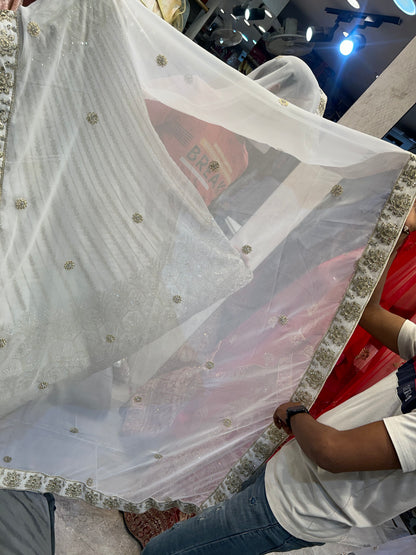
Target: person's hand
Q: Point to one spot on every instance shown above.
(279, 416)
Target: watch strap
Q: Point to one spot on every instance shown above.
(291, 411)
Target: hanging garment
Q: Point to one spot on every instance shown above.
(130, 312)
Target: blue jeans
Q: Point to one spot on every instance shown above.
(242, 525)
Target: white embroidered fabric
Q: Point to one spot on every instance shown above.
(181, 250)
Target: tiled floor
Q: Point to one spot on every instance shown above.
(84, 530)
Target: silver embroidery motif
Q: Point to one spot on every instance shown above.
(54, 485)
(137, 218)
(374, 259)
(9, 52)
(350, 311)
(400, 204)
(33, 29)
(386, 232)
(338, 335)
(303, 397)
(214, 166)
(92, 498)
(111, 503)
(315, 378)
(33, 483)
(73, 490)
(92, 118)
(20, 203)
(161, 60)
(12, 480)
(337, 190)
(362, 285)
(8, 45)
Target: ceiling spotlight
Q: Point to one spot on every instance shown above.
(352, 44)
(254, 13)
(238, 11)
(354, 4)
(320, 34)
(406, 6)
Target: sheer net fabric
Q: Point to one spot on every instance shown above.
(148, 332)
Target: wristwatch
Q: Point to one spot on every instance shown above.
(291, 411)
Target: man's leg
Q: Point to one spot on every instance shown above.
(242, 524)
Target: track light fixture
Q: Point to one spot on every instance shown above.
(354, 41)
(352, 44)
(254, 13)
(238, 11)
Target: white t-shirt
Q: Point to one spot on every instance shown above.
(316, 505)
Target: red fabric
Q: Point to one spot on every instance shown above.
(365, 361)
(194, 145)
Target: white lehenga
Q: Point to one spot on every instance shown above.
(143, 352)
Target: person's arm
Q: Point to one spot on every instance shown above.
(368, 447)
(379, 322)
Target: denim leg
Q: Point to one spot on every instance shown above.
(242, 524)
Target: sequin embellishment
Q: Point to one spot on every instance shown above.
(69, 265)
(158, 456)
(33, 29)
(214, 166)
(3, 342)
(177, 299)
(7, 459)
(43, 385)
(89, 482)
(283, 102)
(7, 44)
(137, 399)
(110, 338)
(337, 190)
(161, 60)
(246, 249)
(74, 430)
(209, 365)
(283, 319)
(137, 218)
(20, 203)
(227, 422)
(92, 118)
